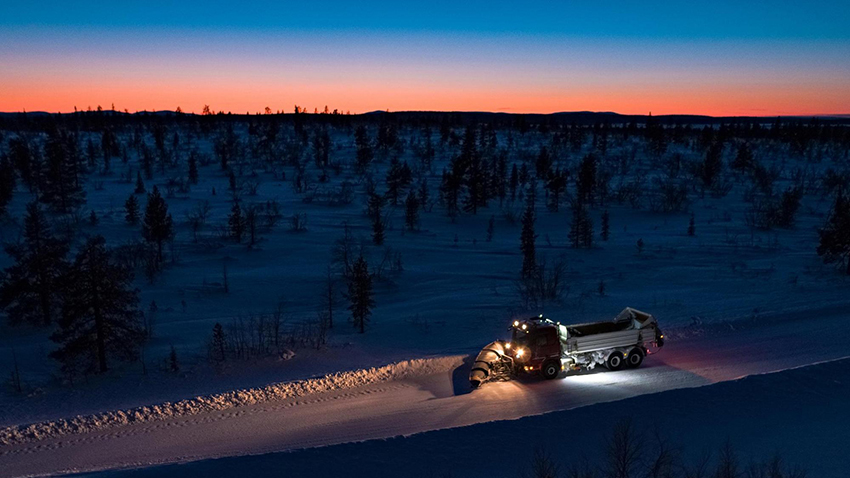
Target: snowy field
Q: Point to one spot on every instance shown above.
(734, 300)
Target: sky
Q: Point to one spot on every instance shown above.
(719, 58)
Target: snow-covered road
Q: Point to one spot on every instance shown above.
(431, 402)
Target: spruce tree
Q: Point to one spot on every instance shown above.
(7, 182)
(712, 166)
(526, 239)
(491, 228)
(235, 222)
(398, 178)
(476, 183)
(450, 193)
(60, 187)
(606, 228)
(193, 167)
(140, 185)
(743, 159)
(157, 226)
(131, 208)
(360, 296)
(364, 149)
(514, 182)
(23, 158)
(834, 244)
(218, 346)
(586, 180)
(691, 226)
(31, 287)
(411, 211)
(424, 194)
(556, 186)
(543, 165)
(376, 202)
(581, 227)
(100, 312)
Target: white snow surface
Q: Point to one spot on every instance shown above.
(224, 401)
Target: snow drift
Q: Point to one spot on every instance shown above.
(222, 401)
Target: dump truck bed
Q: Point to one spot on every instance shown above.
(630, 327)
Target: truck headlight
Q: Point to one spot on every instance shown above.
(520, 353)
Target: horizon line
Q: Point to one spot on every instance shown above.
(317, 112)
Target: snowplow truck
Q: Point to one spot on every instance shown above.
(541, 346)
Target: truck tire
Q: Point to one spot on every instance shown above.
(615, 361)
(635, 358)
(550, 369)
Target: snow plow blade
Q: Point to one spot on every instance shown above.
(490, 363)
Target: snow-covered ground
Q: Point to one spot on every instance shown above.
(734, 301)
(800, 414)
(423, 402)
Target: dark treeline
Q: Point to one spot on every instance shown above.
(780, 128)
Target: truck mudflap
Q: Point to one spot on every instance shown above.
(492, 363)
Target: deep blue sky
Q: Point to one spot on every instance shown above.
(644, 19)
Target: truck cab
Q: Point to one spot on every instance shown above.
(536, 346)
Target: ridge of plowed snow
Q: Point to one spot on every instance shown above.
(226, 400)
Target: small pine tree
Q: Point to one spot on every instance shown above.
(7, 182)
(527, 238)
(140, 185)
(411, 211)
(581, 227)
(157, 226)
(691, 226)
(218, 346)
(376, 202)
(398, 177)
(491, 228)
(193, 167)
(364, 149)
(360, 294)
(601, 288)
(450, 193)
(640, 246)
(99, 313)
(131, 208)
(606, 227)
(424, 195)
(173, 364)
(93, 220)
(235, 222)
(586, 180)
(834, 244)
(31, 287)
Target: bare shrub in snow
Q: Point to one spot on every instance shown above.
(546, 284)
(299, 222)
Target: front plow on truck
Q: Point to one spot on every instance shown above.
(541, 346)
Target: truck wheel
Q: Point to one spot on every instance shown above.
(550, 369)
(615, 361)
(635, 358)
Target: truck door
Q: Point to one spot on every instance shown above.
(548, 344)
